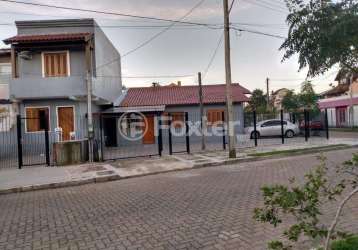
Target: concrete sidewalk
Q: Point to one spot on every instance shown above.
(35, 178)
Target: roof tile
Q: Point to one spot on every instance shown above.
(182, 95)
(47, 38)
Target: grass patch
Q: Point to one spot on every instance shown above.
(350, 243)
(297, 151)
(355, 129)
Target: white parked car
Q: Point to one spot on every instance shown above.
(273, 128)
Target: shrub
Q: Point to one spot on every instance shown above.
(351, 243)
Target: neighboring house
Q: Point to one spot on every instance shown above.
(277, 97)
(50, 61)
(341, 101)
(176, 100)
(8, 110)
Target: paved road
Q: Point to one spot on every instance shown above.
(208, 208)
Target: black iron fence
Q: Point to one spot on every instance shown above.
(282, 128)
(120, 136)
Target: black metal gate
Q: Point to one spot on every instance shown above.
(33, 146)
(117, 135)
(178, 134)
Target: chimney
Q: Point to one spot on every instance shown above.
(179, 83)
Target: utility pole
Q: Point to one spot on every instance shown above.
(90, 129)
(229, 113)
(89, 116)
(202, 117)
(268, 92)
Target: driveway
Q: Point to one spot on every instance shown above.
(209, 208)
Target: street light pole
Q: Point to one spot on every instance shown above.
(229, 113)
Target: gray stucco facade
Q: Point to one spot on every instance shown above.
(194, 123)
(32, 89)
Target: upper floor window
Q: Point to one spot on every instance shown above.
(56, 64)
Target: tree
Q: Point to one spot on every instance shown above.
(307, 97)
(304, 203)
(290, 102)
(323, 33)
(257, 101)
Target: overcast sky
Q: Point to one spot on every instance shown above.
(183, 51)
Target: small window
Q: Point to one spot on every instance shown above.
(215, 116)
(34, 123)
(178, 119)
(55, 64)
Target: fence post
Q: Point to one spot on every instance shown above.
(170, 134)
(19, 140)
(309, 124)
(187, 140)
(255, 128)
(160, 139)
(305, 117)
(44, 121)
(282, 129)
(326, 123)
(224, 130)
(101, 135)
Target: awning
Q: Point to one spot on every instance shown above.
(139, 109)
(333, 103)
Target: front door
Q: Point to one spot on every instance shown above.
(66, 121)
(341, 113)
(149, 137)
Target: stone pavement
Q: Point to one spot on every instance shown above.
(207, 208)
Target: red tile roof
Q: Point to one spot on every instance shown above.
(182, 95)
(47, 38)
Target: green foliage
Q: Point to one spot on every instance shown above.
(302, 202)
(307, 98)
(291, 102)
(257, 101)
(350, 243)
(323, 33)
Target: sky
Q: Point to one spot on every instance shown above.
(182, 51)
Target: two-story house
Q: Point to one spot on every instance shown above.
(341, 101)
(52, 63)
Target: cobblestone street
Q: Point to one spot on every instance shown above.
(209, 208)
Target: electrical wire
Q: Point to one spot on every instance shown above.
(258, 32)
(102, 12)
(263, 6)
(213, 55)
(153, 37)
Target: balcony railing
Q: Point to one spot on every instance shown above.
(51, 87)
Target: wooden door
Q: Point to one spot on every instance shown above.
(66, 121)
(149, 137)
(341, 116)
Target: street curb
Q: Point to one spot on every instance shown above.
(54, 185)
(102, 179)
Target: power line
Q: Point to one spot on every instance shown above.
(214, 55)
(102, 12)
(259, 33)
(272, 4)
(262, 5)
(153, 37)
(232, 5)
